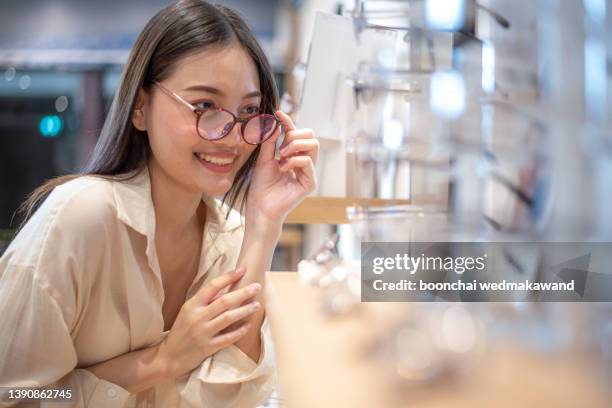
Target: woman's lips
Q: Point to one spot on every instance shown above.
(217, 162)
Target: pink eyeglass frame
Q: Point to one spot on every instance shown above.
(199, 112)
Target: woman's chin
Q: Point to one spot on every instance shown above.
(216, 187)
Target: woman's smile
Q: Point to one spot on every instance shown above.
(218, 162)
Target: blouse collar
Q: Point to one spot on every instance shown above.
(135, 206)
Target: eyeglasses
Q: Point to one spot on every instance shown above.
(216, 123)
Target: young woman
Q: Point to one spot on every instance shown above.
(131, 284)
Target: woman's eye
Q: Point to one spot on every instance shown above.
(204, 105)
(251, 110)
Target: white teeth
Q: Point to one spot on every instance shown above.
(214, 160)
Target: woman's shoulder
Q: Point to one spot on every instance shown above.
(72, 215)
(88, 195)
(88, 182)
(76, 206)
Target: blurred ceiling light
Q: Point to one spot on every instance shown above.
(447, 94)
(9, 74)
(596, 9)
(446, 15)
(595, 77)
(61, 103)
(393, 134)
(24, 82)
(488, 67)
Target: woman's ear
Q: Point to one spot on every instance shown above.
(139, 113)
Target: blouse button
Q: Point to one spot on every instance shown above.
(111, 392)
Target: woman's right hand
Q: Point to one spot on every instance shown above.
(196, 332)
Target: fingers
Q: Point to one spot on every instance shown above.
(267, 148)
(297, 134)
(285, 120)
(223, 340)
(298, 140)
(308, 147)
(291, 134)
(303, 163)
(232, 316)
(207, 292)
(232, 300)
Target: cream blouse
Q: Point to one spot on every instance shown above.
(81, 284)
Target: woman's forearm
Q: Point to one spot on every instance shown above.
(260, 239)
(135, 371)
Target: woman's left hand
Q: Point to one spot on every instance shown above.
(277, 187)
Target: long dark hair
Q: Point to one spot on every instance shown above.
(182, 28)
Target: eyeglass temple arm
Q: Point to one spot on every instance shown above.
(175, 96)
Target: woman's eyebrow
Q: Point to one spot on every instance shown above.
(216, 91)
(253, 94)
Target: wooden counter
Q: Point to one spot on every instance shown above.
(332, 210)
(324, 361)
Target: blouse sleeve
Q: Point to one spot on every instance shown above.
(36, 349)
(43, 290)
(229, 378)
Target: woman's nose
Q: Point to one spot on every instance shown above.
(234, 137)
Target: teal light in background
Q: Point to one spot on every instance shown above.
(50, 126)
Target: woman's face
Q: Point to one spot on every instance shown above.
(224, 77)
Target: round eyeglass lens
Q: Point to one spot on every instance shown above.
(259, 128)
(214, 124)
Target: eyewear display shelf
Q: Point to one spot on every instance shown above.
(326, 361)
